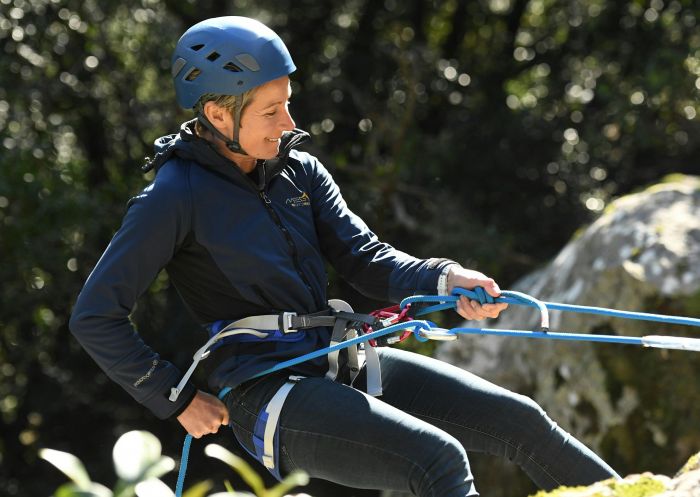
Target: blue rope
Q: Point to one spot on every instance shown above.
(509, 297)
(417, 325)
(657, 341)
(183, 465)
(585, 337)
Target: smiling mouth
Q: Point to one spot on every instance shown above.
(273, 140)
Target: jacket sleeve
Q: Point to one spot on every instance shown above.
(155, 223)
(374, 268)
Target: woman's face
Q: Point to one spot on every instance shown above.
(265, 119)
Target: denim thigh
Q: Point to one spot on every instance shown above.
(340, 434)
(488, 418)
(415, 437)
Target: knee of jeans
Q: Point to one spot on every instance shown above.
(444, 470)
(535, 411)
(531, 418)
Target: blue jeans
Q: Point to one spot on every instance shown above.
(416, 436)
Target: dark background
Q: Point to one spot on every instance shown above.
(484, 131)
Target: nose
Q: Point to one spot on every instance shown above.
(288, 123)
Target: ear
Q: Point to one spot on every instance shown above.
(216, 114)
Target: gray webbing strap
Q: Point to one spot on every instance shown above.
(266, 322)
(357, 357)
(374, 371)
(287, 322)
(333, 357)
(203, 352)
(273, 410)
(339, 332)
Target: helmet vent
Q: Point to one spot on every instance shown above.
(230, 66)
(193, 74)
(248, 61)
(197, 48)
(213, 56)
(177, 66)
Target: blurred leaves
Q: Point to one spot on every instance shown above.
(482, 130)
(292, 480)
(139, 464)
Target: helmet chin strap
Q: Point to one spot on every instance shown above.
(233, 145)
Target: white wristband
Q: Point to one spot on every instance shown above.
(442, 281)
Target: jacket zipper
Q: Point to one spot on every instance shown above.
(276, 219)
(288, 237)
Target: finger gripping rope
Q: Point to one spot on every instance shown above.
(507, 297)
(482, 296)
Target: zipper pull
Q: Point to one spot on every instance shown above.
(264, 196)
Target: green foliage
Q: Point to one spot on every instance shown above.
(482, 131)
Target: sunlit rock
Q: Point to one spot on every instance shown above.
(641, 254)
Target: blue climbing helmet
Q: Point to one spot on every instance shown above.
(227, 56)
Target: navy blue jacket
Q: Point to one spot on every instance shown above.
(233, 245)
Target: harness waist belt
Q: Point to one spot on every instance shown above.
(286, 322)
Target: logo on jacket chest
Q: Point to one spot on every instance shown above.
(302, 200)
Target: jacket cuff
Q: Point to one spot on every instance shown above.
(164, 408)
(186, 403)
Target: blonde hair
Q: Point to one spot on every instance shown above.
(226, 101)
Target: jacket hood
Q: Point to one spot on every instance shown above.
(187, 145)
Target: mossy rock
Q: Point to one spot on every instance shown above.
(645, 485)
(692, 465)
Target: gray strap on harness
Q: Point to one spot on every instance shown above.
(374, 372)
(287, 322)
(203, 353)
(339, 332)
(357, 356)
(274, 410)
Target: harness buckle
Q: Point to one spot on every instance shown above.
(286, 322)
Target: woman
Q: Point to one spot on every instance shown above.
(242, 221)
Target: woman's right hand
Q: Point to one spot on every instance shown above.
(204, 415)
(472, 309)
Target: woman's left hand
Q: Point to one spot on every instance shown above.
(470, 279)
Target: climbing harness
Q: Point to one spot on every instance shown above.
(339, 316)
(361, 333)
(260, 431)
(350, 331)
